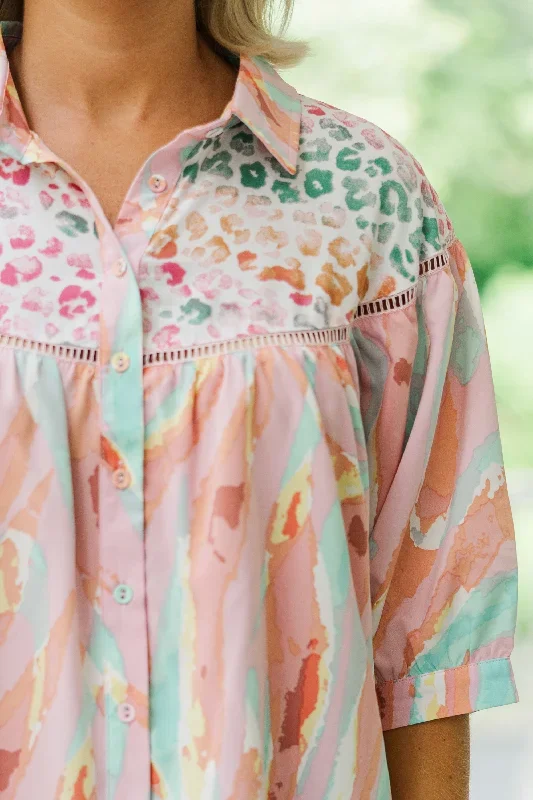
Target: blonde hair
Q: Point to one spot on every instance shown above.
(244, 27)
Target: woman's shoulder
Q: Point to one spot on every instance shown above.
(376, 186)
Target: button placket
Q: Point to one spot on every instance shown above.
(121, 478)
(123, 594)
(157, 183)
(126, 712)
(120, 362)
(120, 267)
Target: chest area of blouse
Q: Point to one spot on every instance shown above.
(210, 258)
(225, 245)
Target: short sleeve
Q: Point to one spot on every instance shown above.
(442, 550)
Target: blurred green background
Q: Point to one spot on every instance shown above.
(453, 81)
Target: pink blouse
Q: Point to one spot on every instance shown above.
(253, 509)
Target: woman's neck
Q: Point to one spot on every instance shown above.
(118, 61)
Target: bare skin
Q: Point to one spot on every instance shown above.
(116, 80)
(430, 760)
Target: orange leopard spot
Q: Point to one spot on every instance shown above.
(294, 277)
(336, 286)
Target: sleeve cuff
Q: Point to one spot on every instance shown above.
(446, 693)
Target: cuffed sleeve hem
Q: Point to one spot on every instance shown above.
(446, 693)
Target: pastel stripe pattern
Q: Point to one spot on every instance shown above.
(253, 504)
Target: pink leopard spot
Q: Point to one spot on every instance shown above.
(148, 294)
(3, 310)
(257, 330)
(316, 111)
(55, 278)
(46, 199)
(83, 264)
(79, 334)
(372, 139)
(54, 246)
(213, 332)
(346, 119)
(67, 200)
(73, 301)
(50, 329)
(301, 299)
(21, 176)
(20, 270)
(167, 337)
(35, 300)
(25, 239)
(175, 271)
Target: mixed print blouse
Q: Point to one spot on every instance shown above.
(253, 510)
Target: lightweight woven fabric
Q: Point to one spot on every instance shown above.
(253, 508)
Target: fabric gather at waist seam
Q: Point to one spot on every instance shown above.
(309, 337)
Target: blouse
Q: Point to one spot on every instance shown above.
(253, 509)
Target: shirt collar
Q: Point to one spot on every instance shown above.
(263, 100)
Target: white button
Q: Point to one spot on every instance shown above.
(120, 362)
(123, 594)
(121, 478)
(126, 712)
(214, 132)
(157, 183)
(120, 267)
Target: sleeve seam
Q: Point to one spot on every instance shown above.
(470, 664)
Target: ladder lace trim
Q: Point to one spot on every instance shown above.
(60, 351)
(405, 297)
(303, 337)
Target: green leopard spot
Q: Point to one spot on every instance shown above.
(190, 151)
(279, 169)
(243, 143)
(218, 164)
(95, 231)
(71, 224)
(362, 223)
(372, 171)
(202, 310)
(355, 186)
(387, 206)
(416, 239)
(385, 232)
(322, 149)
(348, 159)
(285, 192)
(191, 172)
(430, 229)
(384, 165)
(318, 182)
(419, 209)
(397, 262)
(253, 175)
(335, 129)
(409, 256)
(165, 314)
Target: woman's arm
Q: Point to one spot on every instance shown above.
(431, 760)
